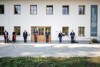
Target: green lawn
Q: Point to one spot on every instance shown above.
(50, 62)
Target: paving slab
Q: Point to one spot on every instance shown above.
(49, 50)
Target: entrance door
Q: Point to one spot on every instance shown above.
(41, 33)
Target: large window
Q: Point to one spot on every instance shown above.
(1, 30)
(1, 9)
(81, 31)
(65, 30)
(17, 30)
(81, 9)
(49, 9)
(33, 9)
(65, 9)
(17, 9)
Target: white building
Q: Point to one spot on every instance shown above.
(82, 16)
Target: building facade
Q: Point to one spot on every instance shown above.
(81, 16)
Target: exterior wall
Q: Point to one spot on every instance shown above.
(56, 21)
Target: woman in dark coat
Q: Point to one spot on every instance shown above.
(14, 37)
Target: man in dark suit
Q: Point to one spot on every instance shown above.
(60, 37)
(47, 36)
(72, 34)
(25, 36)
(6, 36)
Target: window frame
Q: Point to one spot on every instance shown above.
(17, 33)
(41, 31)
(83, 10)
(67, 11)
(49, 6)
(1, 32)
(32, 13)
(16, 9)
(3, 8)
(80, 33)
(67, 30)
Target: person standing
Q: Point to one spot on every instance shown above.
(72, 34)
(6, 36)
(35, 35)
(25, 36)
(14, 37)
(47, 36)
(60, 37)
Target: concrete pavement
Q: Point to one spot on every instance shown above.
(49, 50)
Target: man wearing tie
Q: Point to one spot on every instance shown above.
(72, 34)
(25, 36)
(47, 36)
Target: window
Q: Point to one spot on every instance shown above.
(17, 9)
(33, 9)
(49, 9)
(65, 30)
(41, 31)
(1, 30)
(1, 9)
(81, 31)
(65, 10)
(17, 30)
(81, 9)
(49, 29)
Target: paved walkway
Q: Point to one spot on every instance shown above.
(49, 50)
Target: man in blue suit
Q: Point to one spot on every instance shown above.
(72, 34)
(60, 37)
(47, 33)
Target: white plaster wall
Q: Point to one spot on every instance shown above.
(56, 21)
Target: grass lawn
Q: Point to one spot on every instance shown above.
(50, 62)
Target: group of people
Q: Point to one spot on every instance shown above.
(60, 35)
(25, 35)
(6, 36)
(47, 33)
(72, 34)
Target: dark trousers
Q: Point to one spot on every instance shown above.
(35, 39)
(47, 39)
(25, 39)
(60, 39)
(6, 40)
(14, 39)
(72, 39)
